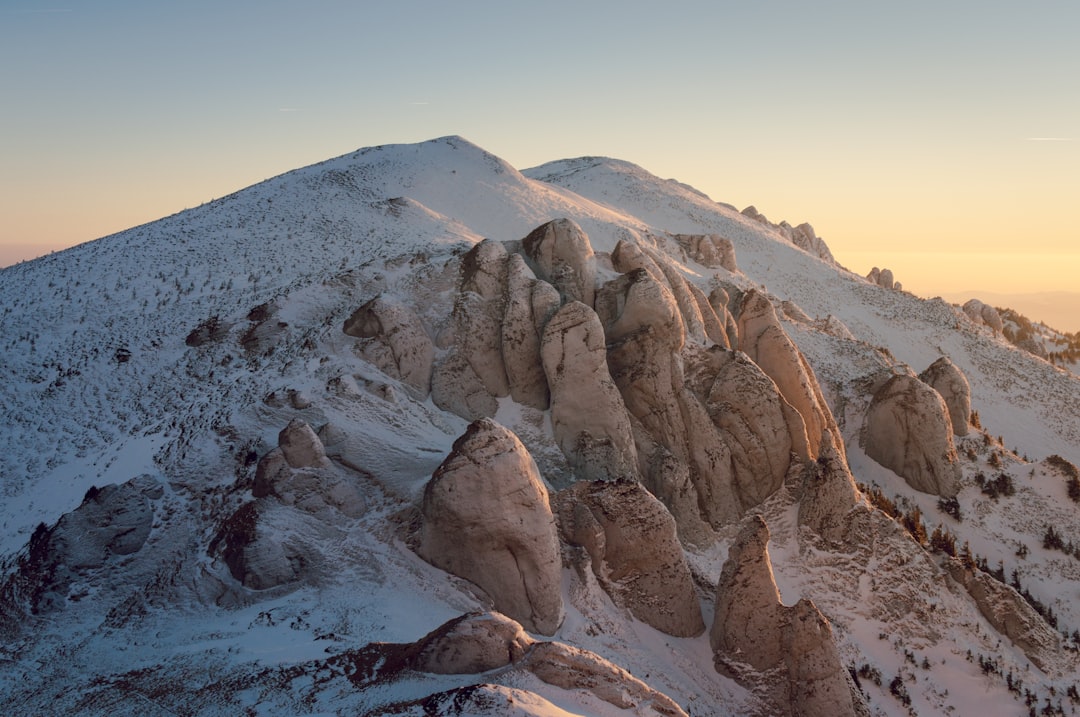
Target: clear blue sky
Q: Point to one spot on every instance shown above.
(892, 127)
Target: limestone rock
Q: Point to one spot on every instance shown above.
(944, 377)
(1010, 615)
(393, 338)
(766, 343)
(588, 416)
(455, 387)
(486, 517)
(787, 651)
(560, 253)
(908, 431)
(635, 553)
(828, 493)
(709, 250)
(984, 314)
(475, 642)
(478, 339)
(719, 299)
(529, 305)
(715, 326)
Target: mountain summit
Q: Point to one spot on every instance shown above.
(413, 432)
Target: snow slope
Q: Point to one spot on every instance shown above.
(100, 386)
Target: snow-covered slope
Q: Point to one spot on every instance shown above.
(107, 379)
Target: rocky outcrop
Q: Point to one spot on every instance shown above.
(486, 517)
(719, 300)
(984, 314)
(711, 250)
(908, 431)
(883, 278)
(394, 340)
(763, 339)
(560, 253)
(828, 493)
(529, 305)
(111, 522)
(480, 642)
(634, 552)
(802, 236)
(944, 377)
(1010, 614)
(786, 652)
(301, 498)
(588, 416)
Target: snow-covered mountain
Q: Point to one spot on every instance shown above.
(261, 456)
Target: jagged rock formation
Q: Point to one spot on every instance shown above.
(944, 377)
(709, 250)
(1010, 614)
(828, 497)
(486, 517)
(633, 551)
(908, 431)
(758, 640)
(802, 236)
(529, 305)
(393, 339)
(984, 314)
(588, 415)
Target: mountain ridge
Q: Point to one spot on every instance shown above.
(107, 381)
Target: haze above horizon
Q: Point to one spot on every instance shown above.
(940, 141)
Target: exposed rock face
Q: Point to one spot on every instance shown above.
(984, 314)
(756, 639)
(828, 493)
(883, 278)
(588, 415)
(944, 377)
(475, 642)
(560, 253)
(1010, 614)
(529, 305)
(487, 518)
(635, 553)
(802, 236)
(394, 340)
(456, 388)
(908, 431)
(764, 340)
(719, 299)
(709, 250)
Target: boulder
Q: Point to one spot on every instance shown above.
(588, 416)
(486, 517)
(634, 550)
(393, 338)
(908, 431)
(787, 653)
(709, 250)
(984, 314)
(944, 377)
(559, 252)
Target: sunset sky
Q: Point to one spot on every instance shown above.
(939, 139)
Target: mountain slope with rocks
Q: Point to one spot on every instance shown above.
(413, 432)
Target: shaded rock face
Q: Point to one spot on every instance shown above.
(944, 377)
(908, 431)
(634, 552)
(588, 416)
(486, 517)
(479, 642)
(112, 521)
(393, 339)
(788, 652)
(1010, 614)
(560, 253)
(828, 494)
(529, 305)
